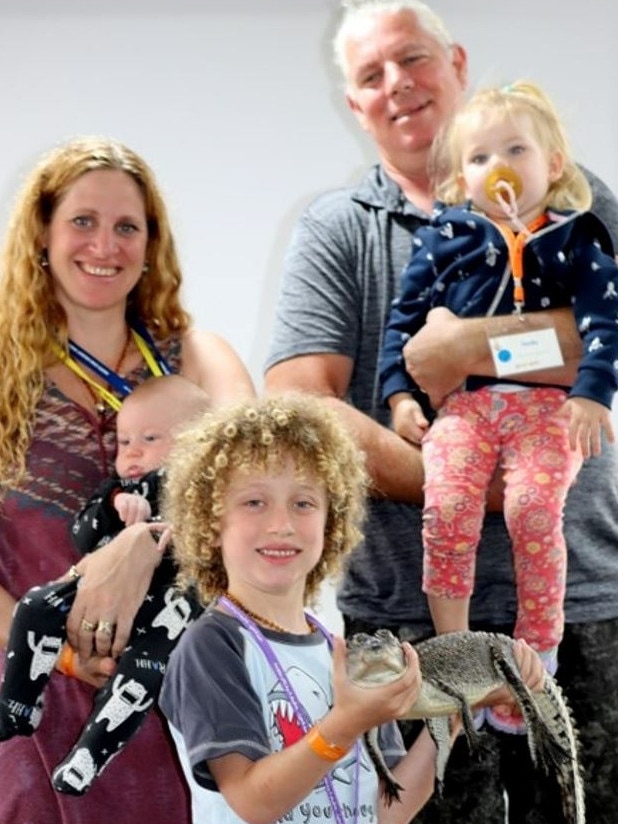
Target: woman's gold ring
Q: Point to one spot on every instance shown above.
(105, 627)
(88, 626)
(73, 572)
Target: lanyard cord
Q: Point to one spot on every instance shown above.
(515, 244)
(102, 391)
(301, 714)
(76, 356)
(506, 197)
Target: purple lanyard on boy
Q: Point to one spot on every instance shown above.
(303, 718)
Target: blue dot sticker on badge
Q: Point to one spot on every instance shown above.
(504, 355)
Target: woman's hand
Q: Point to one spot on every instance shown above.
(114, 582)
(436, 356)
(163, 533)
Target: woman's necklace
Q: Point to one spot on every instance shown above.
(99, 403)
(259, 619)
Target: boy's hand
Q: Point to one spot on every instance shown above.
(95, 671)
(358, 709)
(131, 508)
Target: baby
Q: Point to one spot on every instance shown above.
(146, 424)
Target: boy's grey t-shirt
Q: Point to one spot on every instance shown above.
(342, 272)
(221, 696)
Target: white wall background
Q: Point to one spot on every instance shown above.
(236, 106)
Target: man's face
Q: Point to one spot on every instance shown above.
(403, 84)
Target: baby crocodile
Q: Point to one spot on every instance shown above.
(460, 669)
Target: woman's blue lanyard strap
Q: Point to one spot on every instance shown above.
(145, 342)
(78, 357)
(117, 382)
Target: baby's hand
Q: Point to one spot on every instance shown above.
(131, 508)
(587, 420)
(409, 421)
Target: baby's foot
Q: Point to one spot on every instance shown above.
(76, 773)
(17, 718)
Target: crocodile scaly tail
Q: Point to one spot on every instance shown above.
(551, 736)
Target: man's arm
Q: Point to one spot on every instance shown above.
(394, 465)
(320, 324)
(448, 349)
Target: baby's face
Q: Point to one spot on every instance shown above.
(495, 141)
(145, 438)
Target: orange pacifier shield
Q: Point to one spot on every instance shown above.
(502, 181)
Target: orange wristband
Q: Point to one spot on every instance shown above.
(321, 747)
(66, 661)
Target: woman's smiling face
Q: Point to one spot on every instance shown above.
(96, 240)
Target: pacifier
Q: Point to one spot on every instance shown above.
(503, 184)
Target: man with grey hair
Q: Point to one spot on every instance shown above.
(404, 76)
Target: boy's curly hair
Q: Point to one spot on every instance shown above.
(260, 435)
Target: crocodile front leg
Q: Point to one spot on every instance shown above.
(440, 732)
(463, 707)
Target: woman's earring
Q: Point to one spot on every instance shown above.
(145, 267)
(43, 259)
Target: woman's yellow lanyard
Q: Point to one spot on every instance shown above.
(76, 354)
(515, 244)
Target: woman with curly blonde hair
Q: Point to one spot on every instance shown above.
(89, 307)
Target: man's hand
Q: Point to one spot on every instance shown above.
(435, 356)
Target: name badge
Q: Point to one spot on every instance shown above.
(526, 352)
